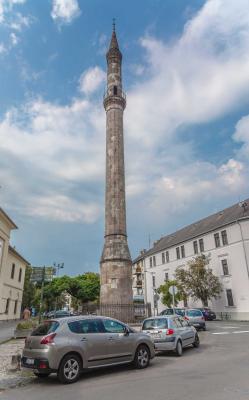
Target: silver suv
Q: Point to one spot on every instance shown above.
(69, 345)
(171, 332)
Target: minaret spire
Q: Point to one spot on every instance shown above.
(116, 266)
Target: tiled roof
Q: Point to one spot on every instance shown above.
(213, 222)
(13, 251)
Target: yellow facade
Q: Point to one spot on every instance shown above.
(12, 272)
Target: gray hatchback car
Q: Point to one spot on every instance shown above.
(69, 345)
(171, 332)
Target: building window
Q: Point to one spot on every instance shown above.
(163, 258)
(183, 251)
(20, 275)
(154, 261)
(167, 256)
(217, 239)
(195, 244)
(178, 253)
(15, 306)
(166, 277)
(150, 262)
(7, 306)
(225, 267)
(114, 283)
(115, 90)
(201, 244)
(230, 302)
(13, 271)
(224, 238)
(153, 281)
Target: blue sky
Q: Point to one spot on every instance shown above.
(186, 75)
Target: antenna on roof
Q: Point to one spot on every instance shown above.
(243, 204)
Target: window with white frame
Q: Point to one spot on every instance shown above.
(195, 245)
(163, 258)
(224, 237)
(230, 301)
(167, 256)
(225, 267)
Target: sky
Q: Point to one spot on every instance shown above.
(186, 125)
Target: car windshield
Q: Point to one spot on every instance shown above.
(168, 311)
(156, 323)
(194, 313)
(45, 328)
(180, 311)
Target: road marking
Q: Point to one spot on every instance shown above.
(228, 333)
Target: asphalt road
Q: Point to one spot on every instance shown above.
(217, 370)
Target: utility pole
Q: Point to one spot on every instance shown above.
(58, 267)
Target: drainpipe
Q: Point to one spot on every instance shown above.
(243, 243)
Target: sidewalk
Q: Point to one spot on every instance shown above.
(7, 330)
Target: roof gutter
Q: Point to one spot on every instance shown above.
(244, 248)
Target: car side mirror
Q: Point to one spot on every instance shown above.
(126, 331)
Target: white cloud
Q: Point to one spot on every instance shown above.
(59, 151)
(2, 48)
(62, 208)
(200, 77)
(64, 11)
(91, 80)
(14, 39)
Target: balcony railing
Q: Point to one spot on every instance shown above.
(119, 93)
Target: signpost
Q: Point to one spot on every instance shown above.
(42, 275)
(173, 291)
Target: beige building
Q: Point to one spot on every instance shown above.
(12, 272)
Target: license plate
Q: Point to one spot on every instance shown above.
(156, 336)
(29, 361)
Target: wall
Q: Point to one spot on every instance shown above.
(234, 253)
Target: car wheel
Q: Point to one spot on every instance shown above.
(70, 368)
(42, 374)
(178, 349)
(197, 341)
(142, 357)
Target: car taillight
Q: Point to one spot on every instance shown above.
(187, 318)
(202, 318)
(49, 339)
(170, 332)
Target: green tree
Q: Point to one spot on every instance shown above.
(28, 289)
(198, 280)
(167, 298)
(83, 288)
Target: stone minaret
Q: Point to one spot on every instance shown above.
(115, 264)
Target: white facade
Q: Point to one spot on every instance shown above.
(229, 261)
(12, 272)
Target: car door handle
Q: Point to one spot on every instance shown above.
(83, 339)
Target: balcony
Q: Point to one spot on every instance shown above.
(117, 96)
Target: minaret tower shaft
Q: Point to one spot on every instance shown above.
(115, 264)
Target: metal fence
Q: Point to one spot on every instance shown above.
(129, 313)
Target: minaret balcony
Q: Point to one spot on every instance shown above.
(110, 98)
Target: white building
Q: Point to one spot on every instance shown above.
(225, 237)
(12, 272)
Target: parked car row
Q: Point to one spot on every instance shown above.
(195, 316)
(72, 344)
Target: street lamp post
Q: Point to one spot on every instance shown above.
(154, 292)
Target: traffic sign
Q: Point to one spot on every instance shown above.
(173, 290)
